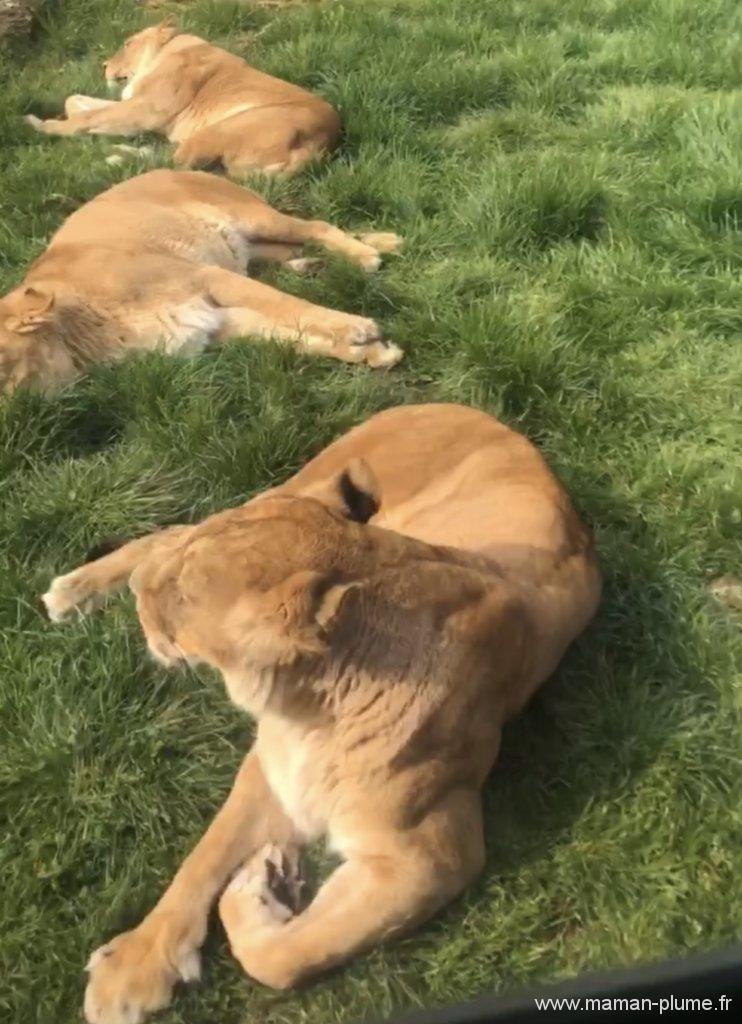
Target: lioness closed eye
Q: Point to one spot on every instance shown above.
(211, 103)
(381, 614)
(158, 261)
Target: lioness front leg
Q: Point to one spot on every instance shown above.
(86, 587)
(128, 117)
(371, 897)
(134, 974)
(256, 309)
(77, 103)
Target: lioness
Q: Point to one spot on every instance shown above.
(381, 614)
(158, 261)
(211, 103)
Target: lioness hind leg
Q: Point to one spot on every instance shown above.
(267, 224)
(251, 308)
(286, 255)
(85, 588)
(240, 144)
(266, 227)
(274, 252)
(264, 140)
(276, 159)
(202, 149)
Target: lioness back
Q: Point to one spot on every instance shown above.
(453, 475)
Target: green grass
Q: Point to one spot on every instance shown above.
(567, 174)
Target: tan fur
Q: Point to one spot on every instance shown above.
(210, 102)
(157, 261)
(381, 660)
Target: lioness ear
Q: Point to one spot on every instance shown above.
(354, 492)
(359, 490)
(37, 301)
(168, 27)
(330, 603)
(34, 309)
(308, 603)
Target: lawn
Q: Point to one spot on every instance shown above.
(567, 175)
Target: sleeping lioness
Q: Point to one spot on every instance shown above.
(158, 261)
(211, 103)
(381, 614)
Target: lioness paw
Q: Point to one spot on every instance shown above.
(382, 241)
(134, 975)
(68, 594)
(370, 261)
(304, 265)
(379, 354)
(364, 344)
(255, 908)
(264, 892)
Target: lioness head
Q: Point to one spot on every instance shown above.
(258, 587)
(138, 52)
(29, 353)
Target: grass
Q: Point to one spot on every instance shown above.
(567, 176)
